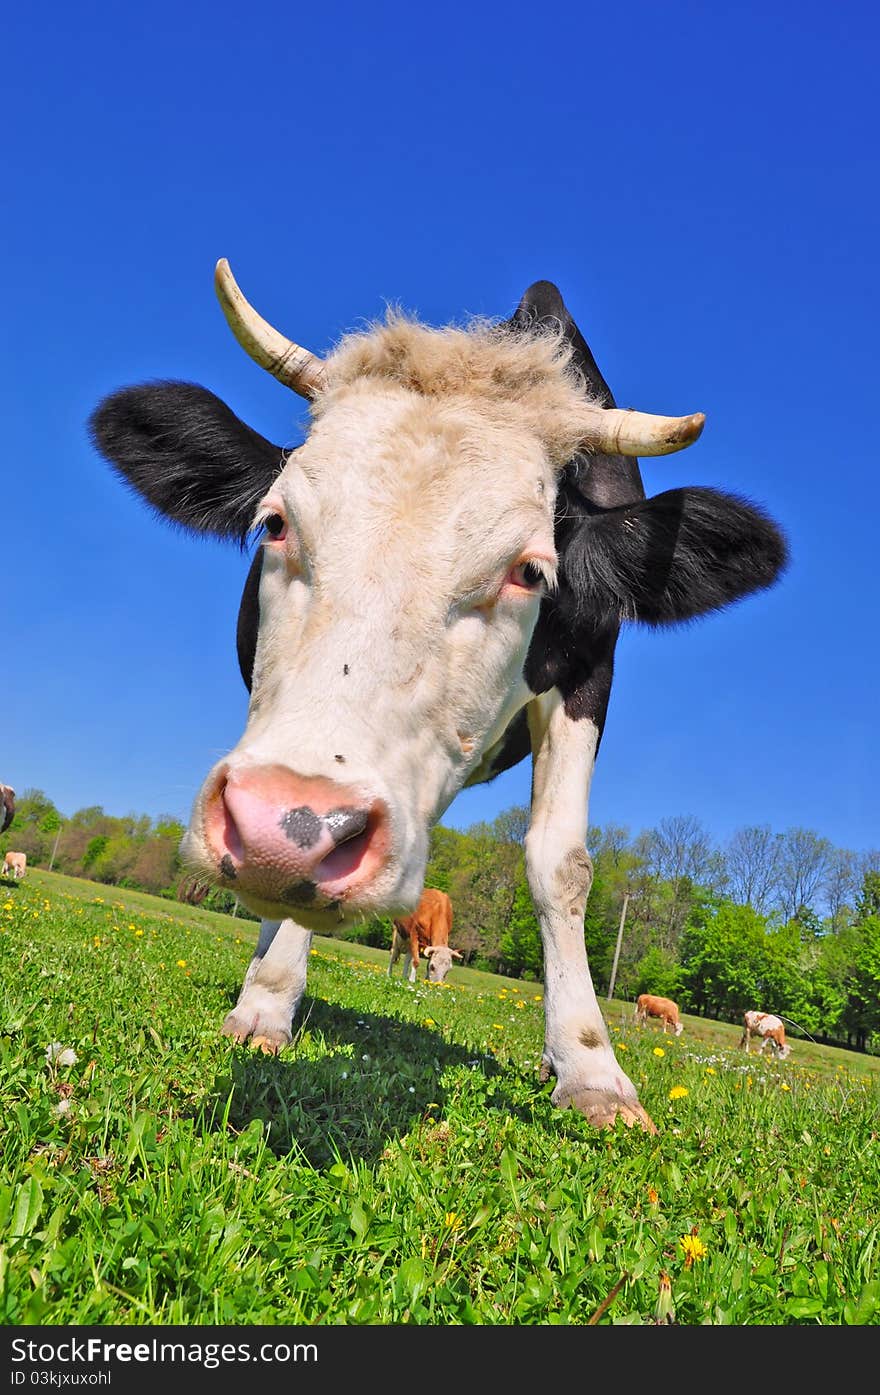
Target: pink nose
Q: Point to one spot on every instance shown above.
(289, 839)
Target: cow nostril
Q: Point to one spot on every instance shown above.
(346, 823)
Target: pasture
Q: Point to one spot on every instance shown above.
(400, 1161)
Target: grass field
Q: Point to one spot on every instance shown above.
(399, 1162)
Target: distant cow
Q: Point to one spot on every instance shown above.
(649, 1006)
(769, 1029)
(14, 865)
(426, 930)
(7, 806)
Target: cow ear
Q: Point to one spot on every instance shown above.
(671, 558)
(187, 454)
(542, 308)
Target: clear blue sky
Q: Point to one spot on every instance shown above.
(702, 183)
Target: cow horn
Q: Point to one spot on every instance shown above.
(617, 432)
(286, 361)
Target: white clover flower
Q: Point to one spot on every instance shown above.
(63, 1055)
(62, 1107)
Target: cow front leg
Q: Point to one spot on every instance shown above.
(272, 988)
(413, 965)
(577, 1049)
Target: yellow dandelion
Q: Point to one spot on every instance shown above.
(710, 1070)
(520, 1005)
(622, 1046)
(7, 905)
(658, 1051)
(138, 933)
(535, 999)
(499, 1026)
(96, 941)
(749, 1081)
(653, 1195)
(181, 963)
(161, 966)
(694, 1249)
(453, 1220)
(783, 1086)
(678, 1092)
(429, 1022)
(131, 927)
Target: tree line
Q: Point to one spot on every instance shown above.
(784, 922)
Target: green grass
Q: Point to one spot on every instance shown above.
(399, 1162)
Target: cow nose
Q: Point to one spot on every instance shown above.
(290, 838)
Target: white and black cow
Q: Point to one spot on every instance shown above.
(443, 569)
(7, 806)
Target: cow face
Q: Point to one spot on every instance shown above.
(405, 550)
(439, 958)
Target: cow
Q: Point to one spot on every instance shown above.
(426, 930)
(442, 569)
(664, 1008)
(7, 806)
(771, 1031)
(14, 865)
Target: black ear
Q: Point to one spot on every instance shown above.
(671, 558)
(187, 454)
(543, 306)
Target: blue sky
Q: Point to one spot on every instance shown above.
(700, 181)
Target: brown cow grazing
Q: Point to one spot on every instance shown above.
(427, 929)
(769, 1029)
(14, 865)
(7, 806)
(649, 1006)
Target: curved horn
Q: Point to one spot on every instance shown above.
(617, 432)
(294, 367)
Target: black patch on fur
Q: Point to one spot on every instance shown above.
(299, 894)
(187, 454)
(302, 826)
(249, 620)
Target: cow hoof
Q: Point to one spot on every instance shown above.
(242, 1027)
(602, 1109)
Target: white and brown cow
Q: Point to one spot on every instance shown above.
(7, 806)
(647, 1005)
(426, 931)
(14, 865)
(443, 569)
(771, 1031)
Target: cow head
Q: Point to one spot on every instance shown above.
(405, 550)
(440, 959)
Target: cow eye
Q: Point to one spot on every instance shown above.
(526, 574)
(275, 526)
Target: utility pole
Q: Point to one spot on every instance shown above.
(617, 946)
(55, 847)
